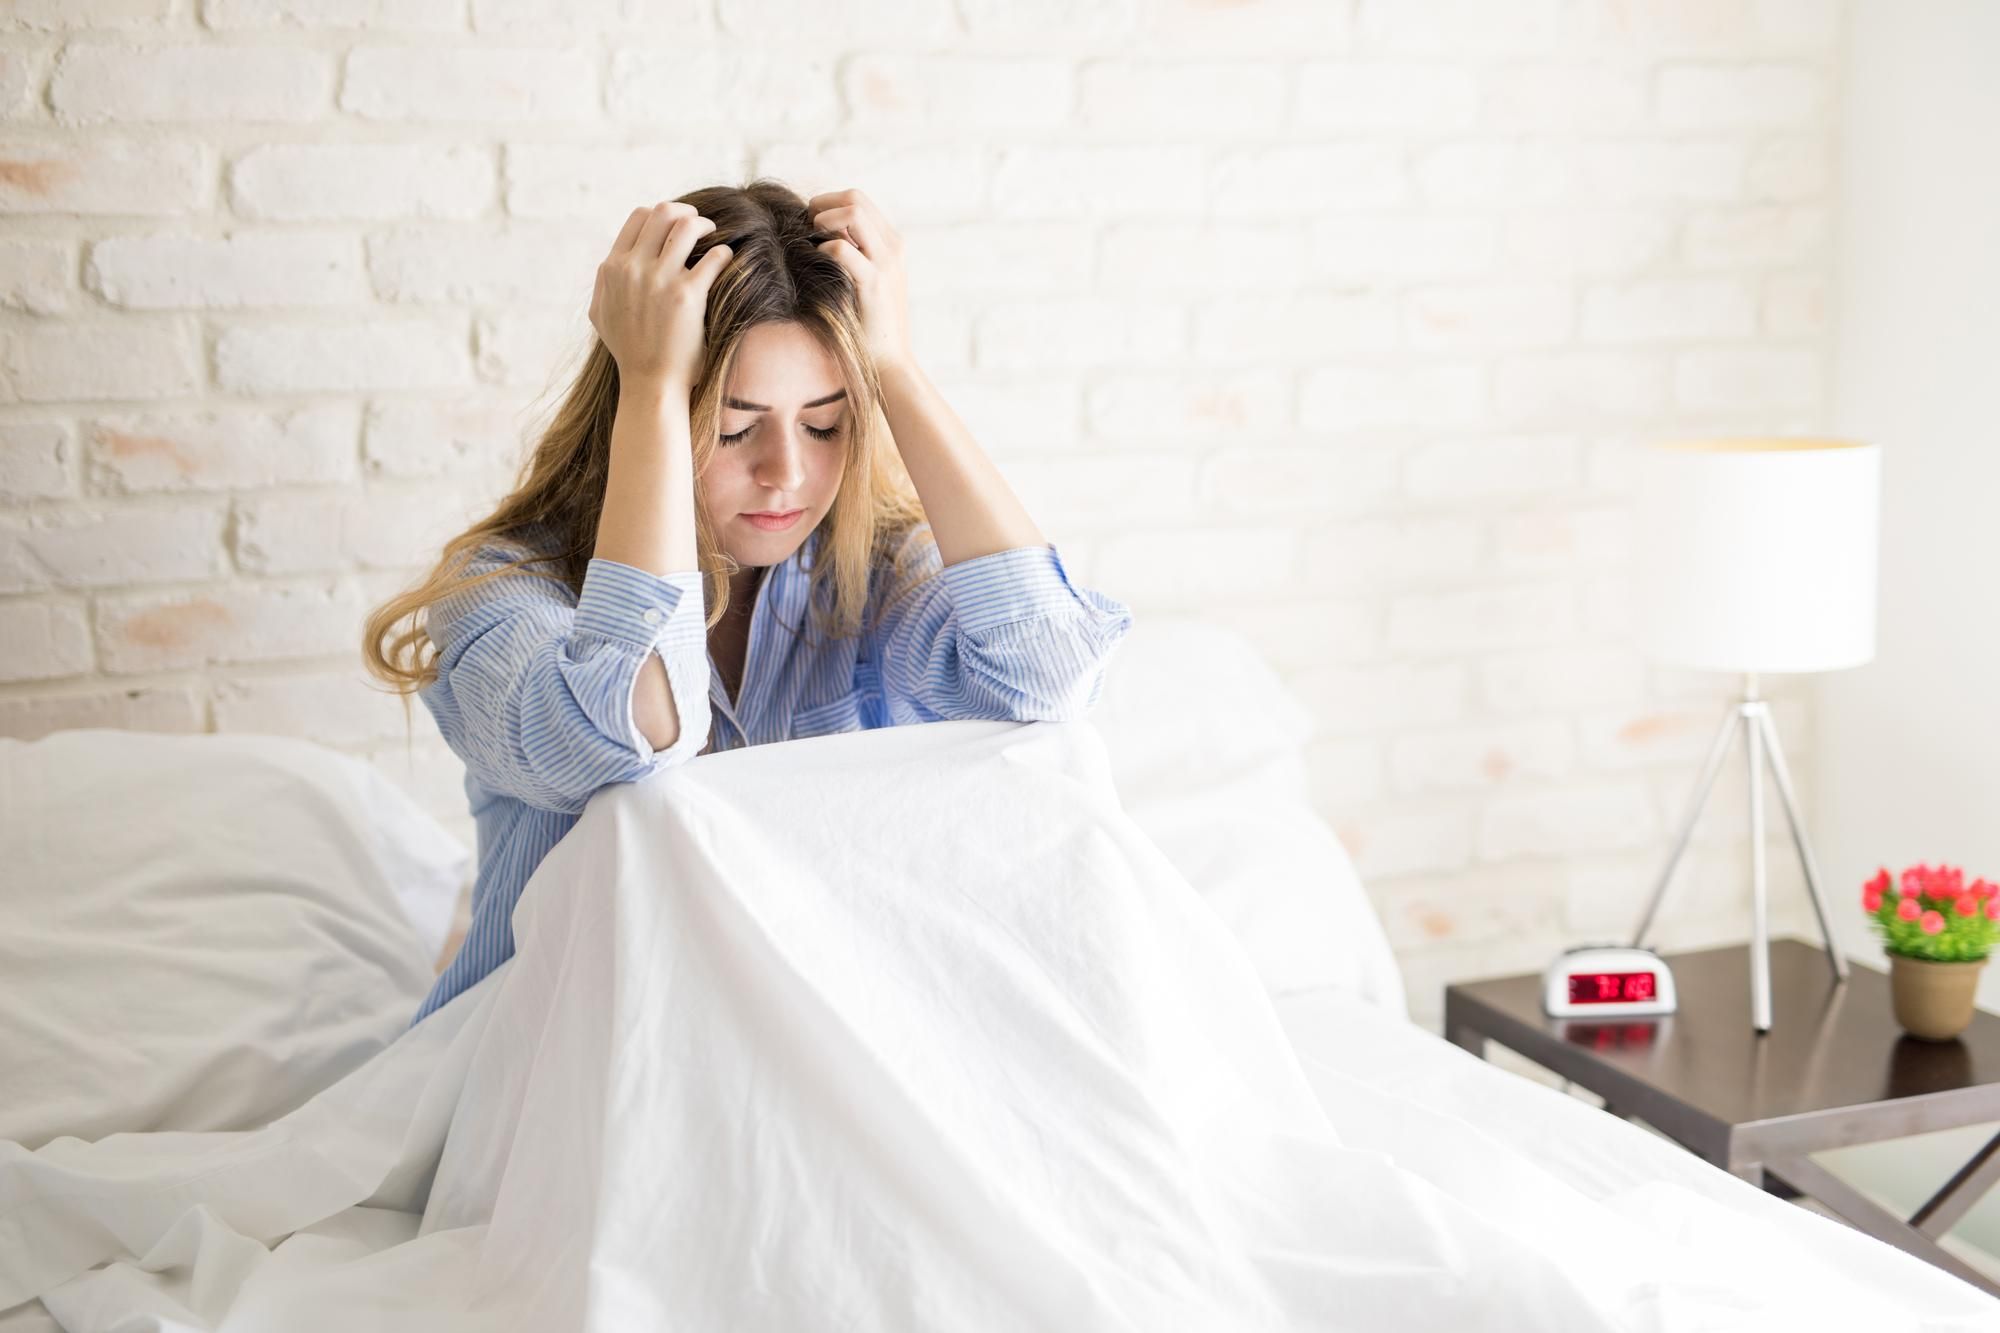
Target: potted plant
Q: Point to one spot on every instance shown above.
(1937, 931)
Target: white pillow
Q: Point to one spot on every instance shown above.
(1207, 751)
(201, 931)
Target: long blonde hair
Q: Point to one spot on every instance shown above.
(777, 274)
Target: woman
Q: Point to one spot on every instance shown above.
(716, 542)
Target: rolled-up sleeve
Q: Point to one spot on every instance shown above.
(534, 689)
(1003, 636)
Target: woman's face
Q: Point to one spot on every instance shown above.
(785, 419)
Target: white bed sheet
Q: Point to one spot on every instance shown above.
(776, 1073)
(1452, 1111)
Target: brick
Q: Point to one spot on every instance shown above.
(1375, 96)
(36, 276)
(1021, 258)
(1566, 821)
(184, 272)
(1228, 258)
(1017, 414)
(1062, 182)
(365, 15)
(1187, 565)
(1470, 758)
(1795, 305)
(909, 182)
(1493, 174)
(1368, 700)
(1670, 310)
(444, 438)
(1587, 242)
(956, 92)
(1659, 172)
(245, 622)
(1079, 331)
(1763, 236)
(1494, 468)
(1765, 97)
(1344, 773)
(37, 461)
(605, 182)
(1301, 480)
(1304, 179)
(101, 546)
(105, 175)
(1418, 247)
(1299, 327)
(221, 450)
(1511, 314)
(343, 708)
(1149, 410)
(531, 351)
(361, 182)
(1034, 20)
(98, 361)
(1394, 552)
(100, 83)
(1747, 378)
(68, 15)
(1387, 843)
(43, 640)
(1476, 905)
(1568, 388)
(1182, 99)
(328, 531)
(1561, 681)
(1561, 540)
(167, 708)
(479, 85)
(1470, 619)
(474, 266)
(1554, 98)
(740, 88)
(342, 357)
(1300, 634)
(1085, 491)
(1361, 397)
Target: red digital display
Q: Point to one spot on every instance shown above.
(1610, 987)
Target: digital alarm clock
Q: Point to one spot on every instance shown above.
(1607, 980)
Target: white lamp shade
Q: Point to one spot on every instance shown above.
(1758, 555)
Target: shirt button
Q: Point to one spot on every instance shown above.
(653, 615)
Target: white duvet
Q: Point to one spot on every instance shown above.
(904, 1029)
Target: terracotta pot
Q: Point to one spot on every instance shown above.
(1933, 1000)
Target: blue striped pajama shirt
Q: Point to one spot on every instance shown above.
(534, 685)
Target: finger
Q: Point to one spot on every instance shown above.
(849, 221)
(653, 232)
(704, 270)
(830, 199)
(681, 238)
(846, 255)
(630, 231)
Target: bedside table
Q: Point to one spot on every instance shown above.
(1834, 1070)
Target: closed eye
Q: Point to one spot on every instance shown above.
(816, 433)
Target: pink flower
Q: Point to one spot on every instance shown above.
(1931, 923)
(1966, 904)
(1993, 909)
(1908, 909)
(1913, 881)
(1980, 889)
(1871, 899)
(1882, 882)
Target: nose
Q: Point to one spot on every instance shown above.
(782, 467)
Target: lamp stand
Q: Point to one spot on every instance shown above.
(1753, 715)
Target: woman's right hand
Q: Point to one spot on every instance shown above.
(648, 304)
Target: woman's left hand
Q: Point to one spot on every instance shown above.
(872, 253)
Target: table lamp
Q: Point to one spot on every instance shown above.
(1757, 555)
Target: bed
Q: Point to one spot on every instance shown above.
(392, 1174)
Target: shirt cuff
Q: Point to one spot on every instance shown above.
(653, 612)
(1020, 583)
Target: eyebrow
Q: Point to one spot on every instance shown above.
(742, 406)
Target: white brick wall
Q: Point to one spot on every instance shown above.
(1329, 319)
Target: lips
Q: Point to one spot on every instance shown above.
(774, 522)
